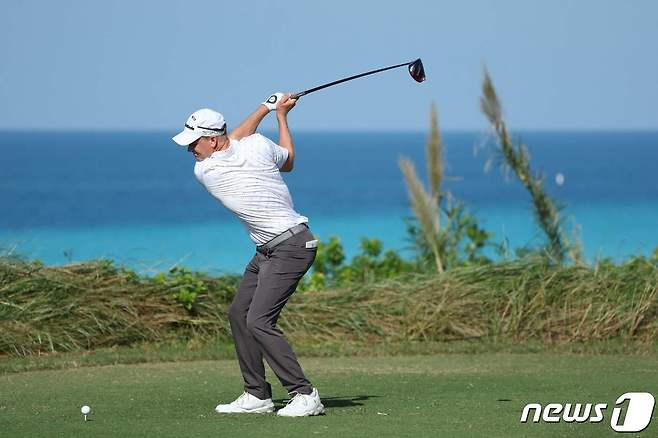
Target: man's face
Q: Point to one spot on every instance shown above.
(202, 148)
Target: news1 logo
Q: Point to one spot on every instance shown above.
(637, 418)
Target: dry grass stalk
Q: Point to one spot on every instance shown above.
(434, 157)
(426, 206)
(425, 210)
(518, 159)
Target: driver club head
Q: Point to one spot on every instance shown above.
(417, 71)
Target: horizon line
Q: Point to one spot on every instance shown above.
(329, 131)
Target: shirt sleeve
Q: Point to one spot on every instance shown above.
(272, 151)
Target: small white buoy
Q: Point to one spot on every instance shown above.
(559, 179)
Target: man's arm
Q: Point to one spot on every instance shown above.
(285, 139)
(250, 124)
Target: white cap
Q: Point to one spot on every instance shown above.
(202, 123)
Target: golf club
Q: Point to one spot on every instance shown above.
(416, 71)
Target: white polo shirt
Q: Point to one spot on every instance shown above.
(245, 178)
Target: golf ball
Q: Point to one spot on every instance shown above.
(85, 410)
(559, 179)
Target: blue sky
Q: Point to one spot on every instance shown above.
(147, 64)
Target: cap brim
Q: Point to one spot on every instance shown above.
(186, 137)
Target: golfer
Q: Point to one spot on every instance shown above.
(242, 170)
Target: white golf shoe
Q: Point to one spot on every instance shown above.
(303, 405)
(247, 404)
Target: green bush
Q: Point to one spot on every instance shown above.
(370, 264)
(184, 285)
(461, 242)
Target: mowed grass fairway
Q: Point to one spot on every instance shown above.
(441, 395)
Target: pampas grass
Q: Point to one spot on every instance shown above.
(517, 158)
(426, 204)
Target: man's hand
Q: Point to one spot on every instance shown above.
(272, 101)
(285, 139)
(285, 105)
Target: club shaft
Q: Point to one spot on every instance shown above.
(298, 95)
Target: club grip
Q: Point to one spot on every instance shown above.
(297, 95)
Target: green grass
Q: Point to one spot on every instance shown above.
(436, 395)
(197, 350)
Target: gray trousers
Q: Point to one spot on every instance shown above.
(268, 281)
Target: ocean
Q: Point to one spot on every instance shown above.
(132, 196)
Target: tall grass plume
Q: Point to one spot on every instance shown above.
(517, 158)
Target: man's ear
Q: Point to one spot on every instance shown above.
(223, 138)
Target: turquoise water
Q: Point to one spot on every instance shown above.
(225, 247)
(132, 197)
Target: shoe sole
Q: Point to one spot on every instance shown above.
(263, 410)
(317, 411)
